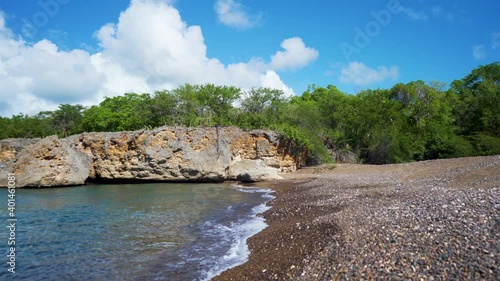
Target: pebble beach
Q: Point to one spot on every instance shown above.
(430, 220)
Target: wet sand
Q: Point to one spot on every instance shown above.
(431, 220)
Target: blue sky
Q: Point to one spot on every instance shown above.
(75, 51)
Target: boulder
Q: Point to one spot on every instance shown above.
(9, 150)
(50, 162)
(259, 175)
(247, 170)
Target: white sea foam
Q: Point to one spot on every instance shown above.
(239, 232)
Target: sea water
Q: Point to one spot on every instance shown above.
(157, 231)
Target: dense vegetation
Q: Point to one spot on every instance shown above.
(414, 121)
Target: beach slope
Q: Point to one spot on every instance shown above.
(435, 219)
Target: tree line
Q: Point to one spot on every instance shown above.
(409, 122)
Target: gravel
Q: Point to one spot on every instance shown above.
(432, 220)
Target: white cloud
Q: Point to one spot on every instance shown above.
(479, 52)
(272, 80)
(33, 77)
(40, 76)
(495, 38)
(232, 13)
(358, 73)
(296, 55)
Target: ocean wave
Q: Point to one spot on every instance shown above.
(238, 233)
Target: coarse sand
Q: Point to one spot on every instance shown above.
(430, 220)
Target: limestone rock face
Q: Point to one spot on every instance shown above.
(9, 150)
(165, 154)
(49, 162)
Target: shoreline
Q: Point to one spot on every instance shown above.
(430, 219)
(239, 252)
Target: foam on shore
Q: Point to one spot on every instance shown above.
(237, 234)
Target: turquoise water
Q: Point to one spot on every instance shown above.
(131, 232)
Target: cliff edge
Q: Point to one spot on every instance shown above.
(176, 154)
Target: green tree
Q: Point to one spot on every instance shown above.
(5, 128)
(262, 107)
(479, 105)
(25, 126)
(98, 119)
(412, 121)
(207, 104)
(306, 123)
(121, 113)
(67, 119)
(219, 100)
(192, 105)
(165, 108)
(428, 120)
(335, 108)
(379, 138)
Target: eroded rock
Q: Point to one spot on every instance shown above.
(164, 154)
(49, 162)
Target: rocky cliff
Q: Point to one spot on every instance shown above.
(165, 154)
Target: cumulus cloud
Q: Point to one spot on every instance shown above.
(359, 74)
(295, 55)
(479, 52)
(232, 13)
(35, 77)
(272, 80)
